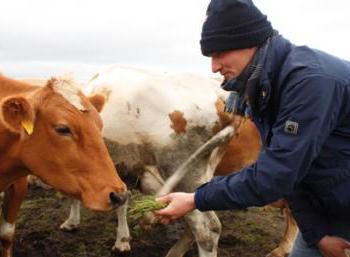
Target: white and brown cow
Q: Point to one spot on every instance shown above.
(153, 122)
(54, 133)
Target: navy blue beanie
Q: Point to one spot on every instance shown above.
(233, 24)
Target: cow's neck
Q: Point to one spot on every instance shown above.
(10, 172)
(11, 168)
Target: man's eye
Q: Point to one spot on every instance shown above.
(63, 130)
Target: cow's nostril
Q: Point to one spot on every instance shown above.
(117, 198)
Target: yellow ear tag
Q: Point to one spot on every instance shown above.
(28, 126)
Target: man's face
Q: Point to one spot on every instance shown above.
(231, 63)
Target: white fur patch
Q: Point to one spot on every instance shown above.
(69, 89)
(7, 230)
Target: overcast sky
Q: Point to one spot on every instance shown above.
(42, 38)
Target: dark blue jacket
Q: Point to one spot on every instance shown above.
(304, 121)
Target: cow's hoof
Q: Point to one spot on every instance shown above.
(121, 247)
(68, 226)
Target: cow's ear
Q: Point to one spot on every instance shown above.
(17, 114)
(98, 101)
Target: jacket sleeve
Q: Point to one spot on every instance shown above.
(313, 104)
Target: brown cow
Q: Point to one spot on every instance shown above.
(53, 132)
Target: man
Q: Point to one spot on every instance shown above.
(299, 99)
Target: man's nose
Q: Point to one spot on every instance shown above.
(215, 65)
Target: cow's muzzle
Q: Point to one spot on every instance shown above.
(118, 199)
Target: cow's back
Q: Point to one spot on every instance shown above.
(9, 87)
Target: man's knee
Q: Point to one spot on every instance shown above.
(301, 249)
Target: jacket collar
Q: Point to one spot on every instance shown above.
(269, 87)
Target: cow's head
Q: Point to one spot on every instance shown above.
(61, 142)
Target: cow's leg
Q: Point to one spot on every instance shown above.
(150, 183)
(73, 220)
(182, 245)
(206, 226)
(13, 199)
(290, 233)
(151, 180)
(123, 235)
(206, 229)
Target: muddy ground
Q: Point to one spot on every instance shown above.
(249, 233)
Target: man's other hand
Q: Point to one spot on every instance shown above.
(332, 246)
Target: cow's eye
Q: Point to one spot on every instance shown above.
(63, 130)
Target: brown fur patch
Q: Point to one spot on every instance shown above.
(224, 117)
(178, 122)
(242, 150)
(244, 147)
(105, 91)
(98, 101)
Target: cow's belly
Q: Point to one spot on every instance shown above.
(133, 156)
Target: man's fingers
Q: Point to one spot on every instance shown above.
(163, 212)
(164, 198)
(347, 252)
(166, 220)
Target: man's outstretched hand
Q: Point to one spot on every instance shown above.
(179, 204)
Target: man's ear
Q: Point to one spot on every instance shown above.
(17, 114)
(98, 101)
